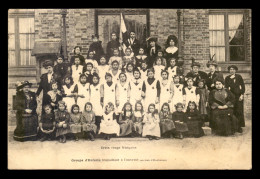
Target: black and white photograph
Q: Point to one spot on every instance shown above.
(129, 89)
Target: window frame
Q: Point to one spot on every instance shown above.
(227, 12)
(125, 12)
(16, 15)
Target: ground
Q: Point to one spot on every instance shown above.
(207, 152)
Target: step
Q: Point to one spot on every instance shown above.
(129, 139)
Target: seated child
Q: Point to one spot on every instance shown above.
(158, 67)
(62, 118)
(166, 124)
(47, 124)
(88, 122)
(151, 128)
(143, 70)
(180, 120)
(138, 119)
(126, 120)
(109, 125)
(160, 54)
(75, 122)
(194, 121)
(90, 59)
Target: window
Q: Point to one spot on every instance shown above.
(227, 36)
(20, 40)
(108, 21)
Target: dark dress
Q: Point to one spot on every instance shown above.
(237, 87)
(97, 47)
(45, 87)
(180, 120)
(48, 122)
(210, 79)
(223, 121)
(26, 124)
(204, 96)
(135, 45)
(194, 123)
(126, 124)
(62, 116)
(60, 70)
(196, 77)
(152, 55)
(170, 55)
(166, 123)
(110, 46)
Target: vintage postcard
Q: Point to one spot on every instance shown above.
(135, 89)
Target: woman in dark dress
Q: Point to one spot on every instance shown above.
(152, 51)
(235, 83)
(221, 102)
(171, 49)
(96, 48)
(26, 116)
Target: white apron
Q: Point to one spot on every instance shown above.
(68, 100)
(165, 93)
(172, 72)
(83, 90)
(109, 125)
(177, 96)
(115, 78)
(122, 95)
(109, 94)
(150, 95)
(76, 73)
(102, 70)
(157, 71)
(191, 96)
(136, 92)
(95, 99)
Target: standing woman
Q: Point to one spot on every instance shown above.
(26, 116)
(152, 51)
(235, 83)
(45, 83)
(171, 49)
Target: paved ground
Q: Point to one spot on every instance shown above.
(207, 152)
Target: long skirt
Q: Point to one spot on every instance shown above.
(89, 127)
(75, 128)
(152, 129)
(167, 126)
(239, 112)
(62, 130)
(126, 128)
(181, 126)
(138, 127)
(26, 127)
(225, 122)
(195, 128)
(109, 127)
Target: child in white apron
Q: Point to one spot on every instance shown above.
(172, 69)
(95, 99)
(158, 67)
(68, 89)
(83, 90)
(136, 88)
(109, 123)
(191, 93)
(166, 89)
(122, 92)
(77, 70)
(143, 70)
(129, 71)
(151, 90)
(115, 71)
(102, 69)
(178, 92)
(108, 93)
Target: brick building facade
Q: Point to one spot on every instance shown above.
(191, 26)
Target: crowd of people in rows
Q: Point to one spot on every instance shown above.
(133, 90)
